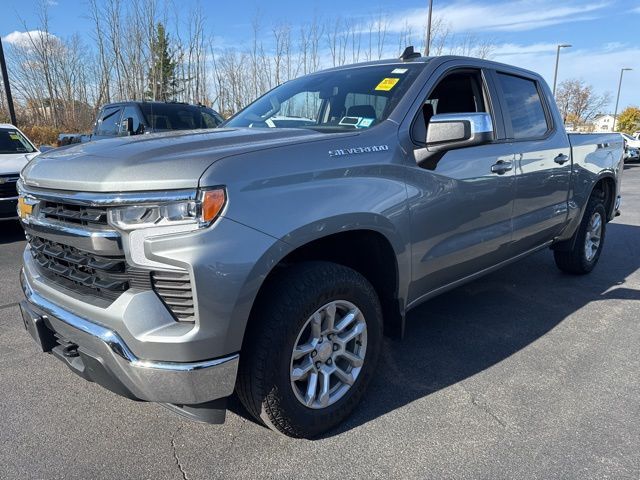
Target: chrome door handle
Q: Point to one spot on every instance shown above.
(501, 167)
(561, 158)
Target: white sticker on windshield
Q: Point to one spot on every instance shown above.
(365, 122)
(399, 71)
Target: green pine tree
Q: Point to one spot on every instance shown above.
(162, 74)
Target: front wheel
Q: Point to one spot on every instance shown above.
(311, 349)
(584, 255)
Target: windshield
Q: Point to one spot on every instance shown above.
(172, 116)
(12, 141)
(353, 98)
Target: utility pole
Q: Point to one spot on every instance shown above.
(555, 75)
(615, 113)
(7, 87)
(426, 53)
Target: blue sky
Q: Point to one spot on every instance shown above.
(605, 33)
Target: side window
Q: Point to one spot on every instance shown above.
(524, 106)
(109, 121)
(131, 112)
(457, 92)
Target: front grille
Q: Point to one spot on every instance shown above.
(174, 288)
(8, 186)
(105, 277)
(93, 266)
(76, 215)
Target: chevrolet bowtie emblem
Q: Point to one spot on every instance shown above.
(3, 180)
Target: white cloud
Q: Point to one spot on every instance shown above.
(515, 49)
(464, 16)
(25, 39)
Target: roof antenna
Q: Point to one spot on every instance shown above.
(409, 53)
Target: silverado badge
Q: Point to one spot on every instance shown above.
(355, 150)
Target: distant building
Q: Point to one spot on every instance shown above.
(603, 123)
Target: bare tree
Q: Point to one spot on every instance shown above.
(119, 62)
(578, 103)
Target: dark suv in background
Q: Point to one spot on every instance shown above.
(135, 118)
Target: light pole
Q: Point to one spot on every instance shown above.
(615, 113)
(426, 53)
(7, 87)
(555, 75)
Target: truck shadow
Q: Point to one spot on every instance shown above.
(11, 231)
(476, 326)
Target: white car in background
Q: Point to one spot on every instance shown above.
(632, 147)
(632, 155)
(631, 141)
(15, 152)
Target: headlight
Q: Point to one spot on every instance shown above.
(198, 213)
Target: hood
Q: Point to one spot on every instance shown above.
(159, 161)
(12, 163)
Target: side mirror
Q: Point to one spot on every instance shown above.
(458, 130)
(129, 126)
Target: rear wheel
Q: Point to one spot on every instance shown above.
(311, 349)
(584, 255)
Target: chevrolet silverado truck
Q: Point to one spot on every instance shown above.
(185, 267)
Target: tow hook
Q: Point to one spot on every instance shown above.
(70, 351)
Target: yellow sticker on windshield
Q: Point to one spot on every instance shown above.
(387, 84)
(13, 136)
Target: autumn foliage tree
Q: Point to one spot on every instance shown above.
(629, 120)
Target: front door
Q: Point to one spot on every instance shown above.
(460, 207)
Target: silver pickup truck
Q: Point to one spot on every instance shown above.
(269, 262)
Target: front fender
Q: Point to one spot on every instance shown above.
(357, 221)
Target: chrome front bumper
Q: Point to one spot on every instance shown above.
(99, 354)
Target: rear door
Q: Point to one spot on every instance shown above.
(542, 160)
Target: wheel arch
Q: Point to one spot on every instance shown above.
(604, 186)
(369, 250)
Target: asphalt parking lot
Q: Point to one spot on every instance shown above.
(527, 373)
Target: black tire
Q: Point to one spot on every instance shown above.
(575, 261)
(283, 308)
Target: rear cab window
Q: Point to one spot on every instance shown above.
(524, 107)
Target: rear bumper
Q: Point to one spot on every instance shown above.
(99, 354)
